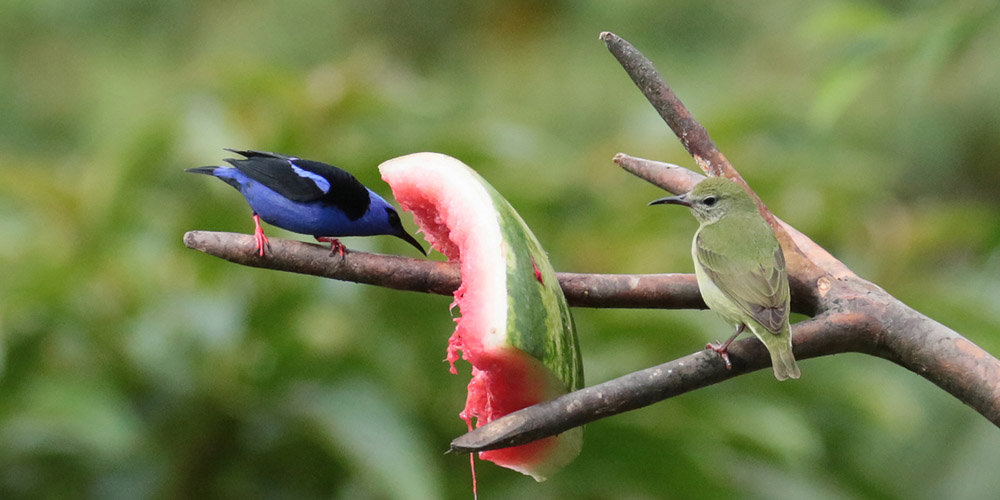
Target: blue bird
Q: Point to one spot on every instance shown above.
(308, 197)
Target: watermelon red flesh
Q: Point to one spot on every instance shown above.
(511, 381)
(515, 327)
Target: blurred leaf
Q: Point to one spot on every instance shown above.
(77, 417)
(133, 367)
(357, 419)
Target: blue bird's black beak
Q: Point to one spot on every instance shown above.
(680, 199)
(403, 235)
(400, 232)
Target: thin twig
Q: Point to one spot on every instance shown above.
(692, 135)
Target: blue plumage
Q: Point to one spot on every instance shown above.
(308, 197)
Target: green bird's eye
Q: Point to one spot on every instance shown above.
(709, 201)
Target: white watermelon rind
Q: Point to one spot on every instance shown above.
(502, 264)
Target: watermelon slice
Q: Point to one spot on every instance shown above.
(515, 326)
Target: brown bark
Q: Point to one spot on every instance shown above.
(631, 291)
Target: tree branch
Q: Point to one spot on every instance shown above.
(851, 314)
(917, 343)
(819, 336)
(631, 291)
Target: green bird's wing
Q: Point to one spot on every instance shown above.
(753, 276)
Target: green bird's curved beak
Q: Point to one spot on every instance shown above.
(680, 199)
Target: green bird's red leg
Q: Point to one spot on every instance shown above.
(335, 245)
(258, 235)
(723, 348)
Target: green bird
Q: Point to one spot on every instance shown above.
(740, 268)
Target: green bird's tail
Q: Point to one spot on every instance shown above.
(780, 348)
(784, 364)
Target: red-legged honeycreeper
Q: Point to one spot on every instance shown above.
(308, 197)
(740, 268)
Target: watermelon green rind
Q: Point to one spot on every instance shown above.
(515, 328)
(539, 320)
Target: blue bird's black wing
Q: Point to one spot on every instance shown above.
(305, 180)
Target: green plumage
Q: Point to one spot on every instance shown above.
(740, 267)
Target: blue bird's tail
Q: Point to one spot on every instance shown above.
(202, 170)
(215, 171)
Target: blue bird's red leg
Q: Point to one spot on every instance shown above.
(723, 348)
(258, 234)
(335, 245)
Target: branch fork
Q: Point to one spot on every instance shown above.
(848, 314)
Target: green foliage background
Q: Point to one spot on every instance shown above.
(134, 368)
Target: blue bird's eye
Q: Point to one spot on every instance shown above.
(393, 217)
